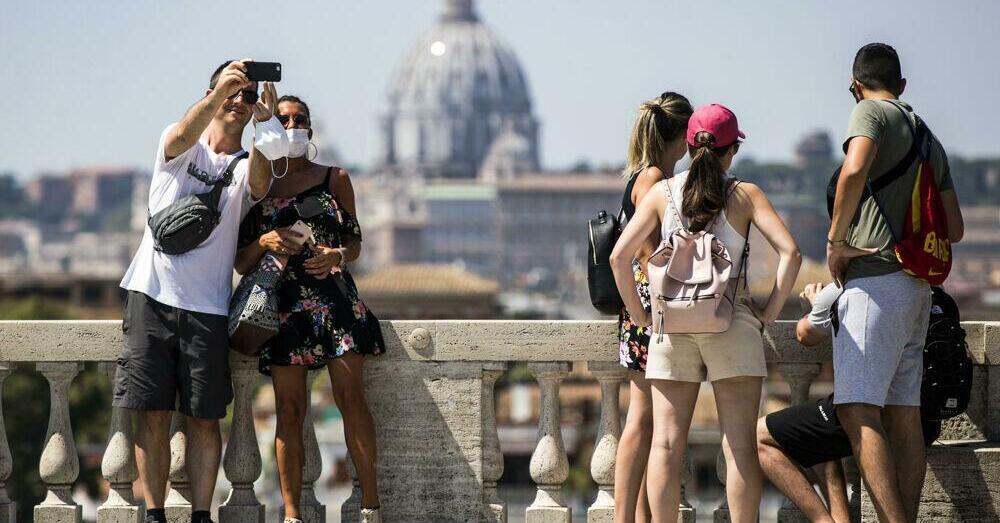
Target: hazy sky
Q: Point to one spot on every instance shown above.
(94, 82)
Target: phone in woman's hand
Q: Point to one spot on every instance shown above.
(304, 231)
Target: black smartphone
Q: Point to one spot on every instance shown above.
(264, 71)
(309, 206)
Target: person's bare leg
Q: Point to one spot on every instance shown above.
(633, 451)
(863, 424)
(152, 454)
(642, 512)
(673, 406)
(204, 452)
(346, 374)
(834, 486)
(738, 402)
(789, 477)
(906, 438)
(290, 408)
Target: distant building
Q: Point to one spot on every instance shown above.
(461, 226)
(815, 149)
(100, 189)
(52, 195)
(977, 257)
(543, 220)
(11, 192)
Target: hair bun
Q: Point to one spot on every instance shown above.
(704, 138)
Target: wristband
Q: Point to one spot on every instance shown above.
(836, 242)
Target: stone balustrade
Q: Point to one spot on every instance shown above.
(432, 396)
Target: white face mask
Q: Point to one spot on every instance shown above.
(270, 139)
(298, 142)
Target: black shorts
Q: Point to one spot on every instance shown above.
(810, 433)
(173, 359)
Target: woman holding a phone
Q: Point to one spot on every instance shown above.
(309, 215)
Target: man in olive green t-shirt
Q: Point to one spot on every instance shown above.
(883, 312)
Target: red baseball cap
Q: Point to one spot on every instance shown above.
(717, 120)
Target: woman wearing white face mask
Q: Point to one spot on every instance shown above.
(322, 320)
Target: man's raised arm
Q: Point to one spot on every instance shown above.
(187, 132)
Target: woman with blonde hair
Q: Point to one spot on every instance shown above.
(655, 146)
(706, 198)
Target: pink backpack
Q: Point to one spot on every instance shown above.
(689, 279)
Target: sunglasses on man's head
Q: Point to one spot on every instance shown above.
(249, 96)
(299, 119)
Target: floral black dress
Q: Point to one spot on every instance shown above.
(318, 319)
(633, 340)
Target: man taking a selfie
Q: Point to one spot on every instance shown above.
(179, 282)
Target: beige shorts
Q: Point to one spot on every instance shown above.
(696, 357)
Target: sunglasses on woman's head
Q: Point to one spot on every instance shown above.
(249, 96)
(299, 119)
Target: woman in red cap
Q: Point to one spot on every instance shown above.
(706, 198)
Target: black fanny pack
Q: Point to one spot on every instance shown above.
(188, 222)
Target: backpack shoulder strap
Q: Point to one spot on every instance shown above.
(918, 135)
(671, 205)
(746, 243)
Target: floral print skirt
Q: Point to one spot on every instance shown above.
(633, 340)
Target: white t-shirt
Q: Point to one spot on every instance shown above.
(199, 280)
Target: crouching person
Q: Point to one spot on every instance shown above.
(807, 439)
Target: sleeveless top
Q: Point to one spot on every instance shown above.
(720, 227)
(628, 208)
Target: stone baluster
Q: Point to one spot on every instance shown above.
(242, 462)
(602, 464)
(60, 464)
(178, 502)
(799, 377)
(494, 508)
(549, 465)
(312, 510)
(8, 508)
(118, 465)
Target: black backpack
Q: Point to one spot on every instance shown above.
(947, 382)
(188, 222)
(603, 233)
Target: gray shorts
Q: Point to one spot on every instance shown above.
(878, 349)
(173, 359)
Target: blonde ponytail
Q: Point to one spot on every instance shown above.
(660, 121)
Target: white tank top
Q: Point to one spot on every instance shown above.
(721, 228)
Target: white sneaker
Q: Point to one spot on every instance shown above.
(371, 515)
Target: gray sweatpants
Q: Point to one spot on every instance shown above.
(878, 350)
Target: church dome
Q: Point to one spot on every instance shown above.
(455, 91)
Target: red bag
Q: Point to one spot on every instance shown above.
(923, 249)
